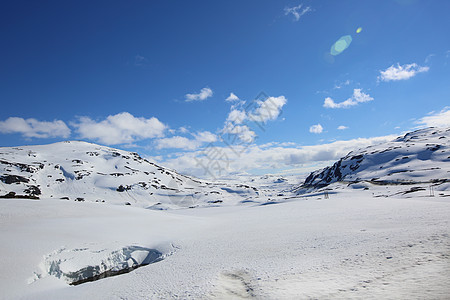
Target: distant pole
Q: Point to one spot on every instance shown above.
(431, 190)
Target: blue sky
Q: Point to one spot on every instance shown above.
(155, 76)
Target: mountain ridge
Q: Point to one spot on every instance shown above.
(421, 156)
(84, 171)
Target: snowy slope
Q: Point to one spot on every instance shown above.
(419, 157)
(87, 172)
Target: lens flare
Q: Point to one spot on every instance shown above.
(359, 30)
(341, 45)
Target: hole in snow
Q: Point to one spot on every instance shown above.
(81, 265)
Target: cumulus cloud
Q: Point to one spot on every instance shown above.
(268, 109)
(258, 112)
(316, 129)
(236, 116)
(119, 129)
(404, 72)
(32, 128)
(357, 97)
(232, 98)
(342, 127)
(439, 119)
(242, 132)
(183, 129)
(181, 142)
(265, 157)
(297, 11)
(177, 142)
(204, 94)
(205, 137)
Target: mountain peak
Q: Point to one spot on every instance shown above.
(83, 171)
(421, 156)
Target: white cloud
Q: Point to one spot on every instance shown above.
(341, 84)
(183, 129)
(232, 98)
(316, 129)
(32, 128)
(271, 156)
(181, 142)
(357, 97)
(242, 132)
(440, 119)
(205, 137)
(257, 112)
(237, 116)
(361, 97)
(403, 72)
(204, 94)
(119, 129)
(268, 109)
(297, 11)
(177, 142)
(342, 127)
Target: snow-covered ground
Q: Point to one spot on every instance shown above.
(352, 245)
(375, 225)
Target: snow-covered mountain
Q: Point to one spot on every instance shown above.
(83, 171)
(419, 157)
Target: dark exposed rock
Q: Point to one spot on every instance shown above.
(12, 195)
(33, 190)
(22, 167)
(9, 179)
(215, 201)
(122, 188)
(92, 153)
(357, 157)
(116, 174)
(433, 147)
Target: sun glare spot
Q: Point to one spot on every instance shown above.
(340, 45)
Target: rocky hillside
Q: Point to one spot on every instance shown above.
(80, 171)
(422, 156)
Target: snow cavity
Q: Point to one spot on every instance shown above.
(80, 265)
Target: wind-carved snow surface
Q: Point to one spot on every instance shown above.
(80, 265)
